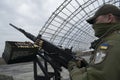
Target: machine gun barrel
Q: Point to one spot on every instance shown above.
(60, 56)
(28, 35)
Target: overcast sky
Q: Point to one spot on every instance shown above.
(30, 15)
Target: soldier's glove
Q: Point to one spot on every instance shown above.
(81, 62)
(78, 62)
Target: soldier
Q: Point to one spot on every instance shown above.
(105, 64)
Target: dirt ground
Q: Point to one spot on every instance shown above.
(24, 71)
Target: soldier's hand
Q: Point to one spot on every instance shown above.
(78, 62)
(81, 62)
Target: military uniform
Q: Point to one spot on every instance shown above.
(105, 64)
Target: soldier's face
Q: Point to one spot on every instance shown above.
(101, 19)
(109, 18)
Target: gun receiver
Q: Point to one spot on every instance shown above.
(59, 56)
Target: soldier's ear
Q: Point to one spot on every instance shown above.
(110, 18)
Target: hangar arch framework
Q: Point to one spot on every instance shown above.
(67, 26)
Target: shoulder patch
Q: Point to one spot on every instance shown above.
(104, 46)
(99, 57)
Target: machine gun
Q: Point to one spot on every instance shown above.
(60, 56)
(54, 55)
